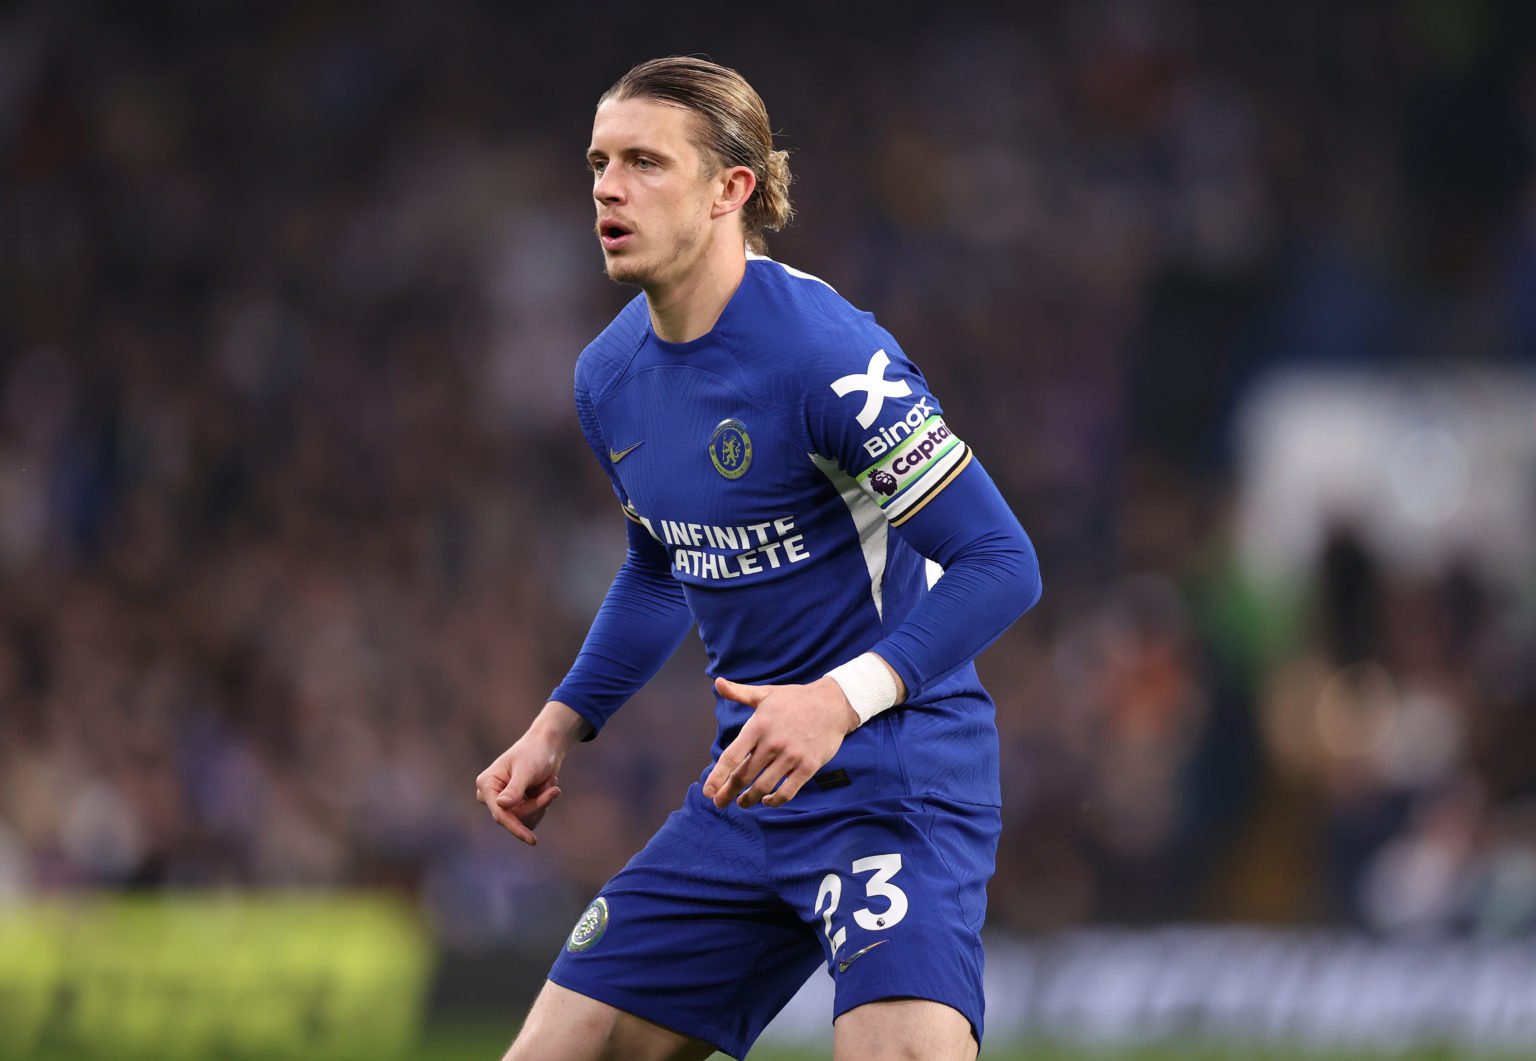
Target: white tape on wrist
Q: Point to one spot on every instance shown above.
(867, 683)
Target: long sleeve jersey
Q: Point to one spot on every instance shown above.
(791, 486)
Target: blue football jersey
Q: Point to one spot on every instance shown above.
(772, 464)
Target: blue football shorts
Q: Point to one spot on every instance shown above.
(712, 928)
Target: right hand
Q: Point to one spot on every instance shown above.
(518, 787)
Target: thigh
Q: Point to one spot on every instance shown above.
(908, 1028)
(573, 1027)
(689, 936)
(896, 890)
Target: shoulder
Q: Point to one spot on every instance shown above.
(806, 322)
(605, 357)
(803, 304)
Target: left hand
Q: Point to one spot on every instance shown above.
(793, 732)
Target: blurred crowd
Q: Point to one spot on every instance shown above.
(297, 529)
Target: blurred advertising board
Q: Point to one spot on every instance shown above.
(1239, 989)
(200, 976)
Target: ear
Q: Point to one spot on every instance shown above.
(736, 185)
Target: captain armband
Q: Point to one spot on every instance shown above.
(868, 684)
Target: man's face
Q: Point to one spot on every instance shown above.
(653, 200)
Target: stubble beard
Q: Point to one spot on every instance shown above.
(653, 271)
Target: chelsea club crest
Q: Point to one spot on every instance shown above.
(730, 449)
(590, 929)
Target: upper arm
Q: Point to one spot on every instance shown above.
(869, 410)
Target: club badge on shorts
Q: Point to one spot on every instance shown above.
(590, 929)
(730, 449)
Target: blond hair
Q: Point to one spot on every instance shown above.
(734, 130)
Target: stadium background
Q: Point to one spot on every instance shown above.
(1237, 301)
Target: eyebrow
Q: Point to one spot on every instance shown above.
(630, 152)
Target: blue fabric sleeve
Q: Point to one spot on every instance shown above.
(991, 577)
(643, 617)
(868, 407)
(641, 622)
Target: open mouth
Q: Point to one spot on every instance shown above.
(613, 234)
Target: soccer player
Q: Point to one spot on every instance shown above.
(790, 485)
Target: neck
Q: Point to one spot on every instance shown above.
(687, 307)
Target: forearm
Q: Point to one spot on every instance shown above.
(642, 620)
(559, 725)
(991, 577)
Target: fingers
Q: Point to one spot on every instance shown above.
(768, 779)
(516, 792)
(534, 799)
(531, 815)
(778, 783)
(730, 776)
(750, 695)
(512, 824)
(545, 798)
(514, 801)
(494, 779)
(521, 791)
(765, 770)
(789, 787)
(778, 749)
(519, 785)
(521, 817)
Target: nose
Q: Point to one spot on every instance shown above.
(607, 188)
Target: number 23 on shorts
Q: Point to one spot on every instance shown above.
(884, 867)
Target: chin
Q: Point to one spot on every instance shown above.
(625, 271)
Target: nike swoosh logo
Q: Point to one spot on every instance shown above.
(616, 455)
(842, 966)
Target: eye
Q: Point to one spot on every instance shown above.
(597, 165)
(644, 163)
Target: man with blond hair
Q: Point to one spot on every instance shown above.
(790, 485)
